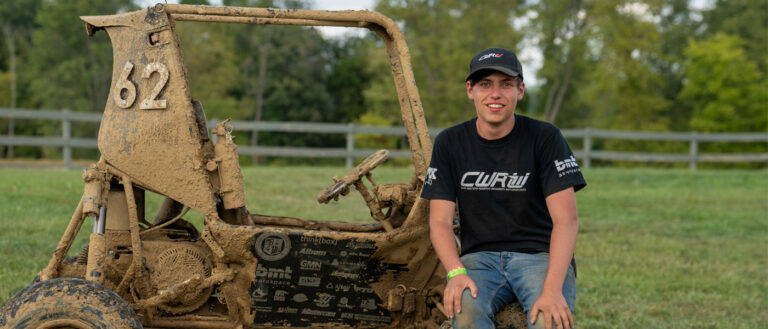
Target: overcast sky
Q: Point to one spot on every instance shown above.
(330, 31)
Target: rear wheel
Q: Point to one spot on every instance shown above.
(67, 303)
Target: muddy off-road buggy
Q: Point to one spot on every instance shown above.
(243, 270)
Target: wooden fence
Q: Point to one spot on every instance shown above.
(587, 154)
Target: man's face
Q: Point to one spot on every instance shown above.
(495, 97)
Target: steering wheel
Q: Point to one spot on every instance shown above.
(341, 185)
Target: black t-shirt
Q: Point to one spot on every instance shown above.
(501, 184)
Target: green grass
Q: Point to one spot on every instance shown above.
(657, 248)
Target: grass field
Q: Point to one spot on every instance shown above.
(657, 248)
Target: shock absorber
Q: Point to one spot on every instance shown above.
(94, 205)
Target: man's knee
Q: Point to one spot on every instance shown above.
(475, 313)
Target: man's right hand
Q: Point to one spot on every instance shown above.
(454, 290)
(441, 235)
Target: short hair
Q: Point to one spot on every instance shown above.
(482, 74)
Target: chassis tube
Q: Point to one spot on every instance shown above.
(52, 270)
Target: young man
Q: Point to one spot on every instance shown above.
(514, 179)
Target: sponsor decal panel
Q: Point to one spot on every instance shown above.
(306, 279)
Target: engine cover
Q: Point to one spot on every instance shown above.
(172, 263)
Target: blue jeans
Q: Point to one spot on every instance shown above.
(502, 278)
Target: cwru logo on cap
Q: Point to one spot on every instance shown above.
(484, 57)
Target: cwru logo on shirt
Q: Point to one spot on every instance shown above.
(496, 181)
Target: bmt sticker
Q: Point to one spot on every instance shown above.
(272, 246)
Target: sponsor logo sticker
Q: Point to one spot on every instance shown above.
(280, 295)
(311, 265)
(309, 281)
(323, 299)
(299, 298)
(312, 252)
(273, 273)
(272, 246)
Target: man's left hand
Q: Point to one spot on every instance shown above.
(555, 310)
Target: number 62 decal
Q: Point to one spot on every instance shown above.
(126, 90)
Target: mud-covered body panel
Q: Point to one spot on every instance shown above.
(150, 112)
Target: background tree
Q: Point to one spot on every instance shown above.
(252, 53)
(213, 73)
(72, 71)
(442, 36)
(560, 26)
(349, 76)
(677, 24)
(747, 19)
(17, 17)
(69, 70)
(724, 87)
(621, 87)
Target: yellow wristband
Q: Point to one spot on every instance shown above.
(456, 271)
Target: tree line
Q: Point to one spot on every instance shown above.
(653, 65)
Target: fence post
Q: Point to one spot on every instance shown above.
(349, 161)
(587, 147)
(66, 135)
(11, 124)
(694, 151)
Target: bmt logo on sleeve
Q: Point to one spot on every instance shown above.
(563, 166)
(567, 163)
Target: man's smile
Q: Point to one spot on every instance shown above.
(495, 107)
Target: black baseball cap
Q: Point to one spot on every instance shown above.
(498, 59)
